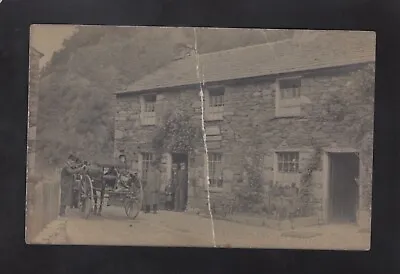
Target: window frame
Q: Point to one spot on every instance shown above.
(148, 118)
(284, 104)
(284, 90)
(215, 177)
(280, 164)
(215, 103)
(145, 165)
(218, 93)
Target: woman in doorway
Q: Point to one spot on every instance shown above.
(181, 192)
(176, 186)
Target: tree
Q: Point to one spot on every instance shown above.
(77, 88)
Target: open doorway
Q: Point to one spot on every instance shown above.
(180, 161)
(343, 187)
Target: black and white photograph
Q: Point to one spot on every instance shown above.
(200, 137)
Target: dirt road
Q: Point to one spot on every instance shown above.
(181, 229)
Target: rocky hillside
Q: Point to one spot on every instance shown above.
(76, 91)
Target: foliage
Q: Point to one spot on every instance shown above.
(363, 130)
(306, 182)
(176, 134)
(250, 196)
(76, 100)
(354, 110)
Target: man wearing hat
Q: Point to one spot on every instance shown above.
(67, 183)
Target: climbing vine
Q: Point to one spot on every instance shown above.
(176, 134)
(250, 196)
(307, 183)
(355, 115)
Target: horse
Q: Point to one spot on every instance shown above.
(95, 172)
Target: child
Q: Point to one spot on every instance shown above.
(169, 195)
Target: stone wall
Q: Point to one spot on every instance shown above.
(249, 126)
(34, 76)
(43, 202)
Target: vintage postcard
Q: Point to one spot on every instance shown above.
(200, 137)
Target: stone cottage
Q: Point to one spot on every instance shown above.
(266, 106)
(34, 71)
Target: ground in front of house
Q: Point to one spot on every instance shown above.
(182, 229)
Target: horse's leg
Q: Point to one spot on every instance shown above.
(95, 201)
(291, 219)
(101, 199)
(279, 218)
(279, 211)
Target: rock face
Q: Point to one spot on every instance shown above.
(250, 124)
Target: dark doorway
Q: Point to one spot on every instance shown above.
(177, 160)
(343, 188)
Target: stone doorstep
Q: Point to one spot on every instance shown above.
(266, 222)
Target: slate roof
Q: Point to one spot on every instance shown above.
(326, 49)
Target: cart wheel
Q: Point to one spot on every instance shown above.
(87, 207)
(87, 192)
(132, 208)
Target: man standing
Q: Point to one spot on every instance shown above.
(152, 189)
(67, 183)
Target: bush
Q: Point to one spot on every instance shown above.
(249, 200)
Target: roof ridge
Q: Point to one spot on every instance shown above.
(286, 55)
(248, 46)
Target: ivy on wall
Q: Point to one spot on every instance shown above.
(307, 184)
(356, 115)
(176, 134)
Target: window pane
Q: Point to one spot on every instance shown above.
(290, 88)
(285, 167)
(288, 162)
(290, 83)
(149, 107)
(214, 165)
(149, 103)
(216, 97)
(147, 158)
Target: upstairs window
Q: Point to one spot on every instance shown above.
(148, 109)
(216, 97)
(215, 108)
(290, 88)
(288, 97)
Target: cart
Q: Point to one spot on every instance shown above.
(119, 186)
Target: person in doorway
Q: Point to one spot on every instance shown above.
(152, 189)
(175, 187)
(181, 190)
(169, 197)
(67, 183)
